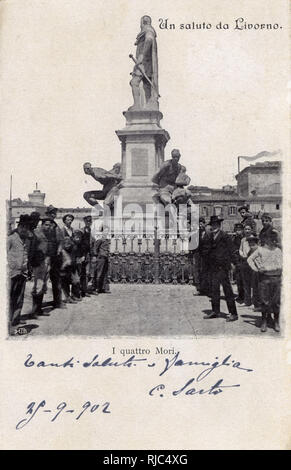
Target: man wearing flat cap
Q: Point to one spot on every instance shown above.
(17, 255)
(220, 259)
(247, 218)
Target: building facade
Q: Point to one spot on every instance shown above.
(223, 202)
(36, 203)
(261, 187)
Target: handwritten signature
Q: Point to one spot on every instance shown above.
(164, 367)
(208, 390)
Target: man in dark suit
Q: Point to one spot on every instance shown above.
(201, 257)
(220, 258)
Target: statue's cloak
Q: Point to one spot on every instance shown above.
(149, 33)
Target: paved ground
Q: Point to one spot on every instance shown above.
(141, 310)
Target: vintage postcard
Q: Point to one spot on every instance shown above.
(145, 195)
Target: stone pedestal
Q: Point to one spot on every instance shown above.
(143, 141)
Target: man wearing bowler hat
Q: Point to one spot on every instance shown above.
(220, 258)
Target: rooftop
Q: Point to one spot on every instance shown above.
(260, 166)
(204, 193)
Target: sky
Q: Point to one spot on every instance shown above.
(65, 83)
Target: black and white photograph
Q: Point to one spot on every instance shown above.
(144, 168)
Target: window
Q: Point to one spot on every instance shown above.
(277, 207)
(232, 210)
(217, 210)
(204, 211)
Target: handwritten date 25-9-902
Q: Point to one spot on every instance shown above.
(33, 408)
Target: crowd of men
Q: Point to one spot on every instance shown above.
(256, 263)
(75, 262)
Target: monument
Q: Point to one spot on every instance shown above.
(143, 140)
(146, 194)
(143, 179)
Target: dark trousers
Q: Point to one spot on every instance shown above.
(204, 276)
(66, 277)
(84, 277)
(70, 282)
(101, 274)
(17, 288)
(75, 279)
(195, 264)
(270, 293)
(250, 284)
(55, 277)
(221, 277)
(239, 281)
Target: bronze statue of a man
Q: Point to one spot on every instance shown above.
(109, 179)
(146, 68)
(171, 178)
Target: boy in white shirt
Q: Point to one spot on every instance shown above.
(267, 260)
